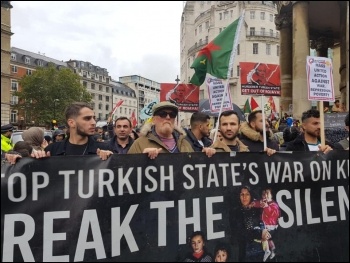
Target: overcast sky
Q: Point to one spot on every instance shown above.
(126, 38)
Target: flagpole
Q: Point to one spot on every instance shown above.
(230, 65)
(264, 121)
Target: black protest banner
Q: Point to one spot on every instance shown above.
(131, 208)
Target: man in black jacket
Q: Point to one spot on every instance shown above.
(252, 134)
(198, 135)
(81, 121)
(121, 141)
(309, 140)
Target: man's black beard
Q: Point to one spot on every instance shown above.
(229, 139)
(81, 133)
(267, 133)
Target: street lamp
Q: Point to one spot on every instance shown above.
(54, 112)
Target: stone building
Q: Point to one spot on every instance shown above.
(202, 21)
(5, 61)
(320, 26)
(146, 90)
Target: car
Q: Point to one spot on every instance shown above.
(17, 135)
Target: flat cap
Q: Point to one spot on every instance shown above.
(164, 105)
(7, 127)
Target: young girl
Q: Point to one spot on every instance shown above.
(199, 253)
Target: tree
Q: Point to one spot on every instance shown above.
(47, 92)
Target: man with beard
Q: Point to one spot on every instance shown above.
(80, 118)
(160, 135)
(229, 124)
(309, 140)
(252, 134)
(121, 141)
(198, 135)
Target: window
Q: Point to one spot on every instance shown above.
(13, 56)
(107, 107)
(107, 89)
(99, 97)
(252, 31)
(100, 78)
(92, 76)
(100, 116)
(220, 16)
(40, 63)
(100, 106)
(220, 29)
(14, 85)
(268, 49)
(27, 60)
(263, 31)
(252, 14)
(14, 100)
(271, 32)
(200, 42)
(195, 32)
(226, 15)
(92, 85)
(125, 111)
(278, 50)
(13, 116)
(206, 39)
(107, 98)
(84, 84)
(238, 49)
(200, 29)
(121, 110)
(82, 64)
(107, 81)
(262, 15)
(255, 48)
(238, 70)
(207, 25)
(29, 72)
(231, 13)
(100, 87)
(231, 73)
(13, 69)
(84, 74)
(271, 17)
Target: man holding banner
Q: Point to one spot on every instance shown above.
(161, 135)
(309, 140)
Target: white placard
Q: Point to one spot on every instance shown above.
(320, 79)
(216, 89)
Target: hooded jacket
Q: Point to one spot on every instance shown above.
(149, 139)
(252, 139)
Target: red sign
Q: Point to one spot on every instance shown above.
(185, 96)
(260, 79)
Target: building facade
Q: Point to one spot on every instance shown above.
(24, 63)
(5, 61)
(202, 21)
(146, 90)
(97, 81)
(308, 24)
(122, 92)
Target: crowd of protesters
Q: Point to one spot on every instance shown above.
(162, 135)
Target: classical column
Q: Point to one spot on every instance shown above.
(284, 25)
(301, 50)
(321, 45)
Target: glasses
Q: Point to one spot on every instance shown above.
(164, 114)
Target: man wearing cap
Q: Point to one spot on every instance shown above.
(161, 135)
(6, 132)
